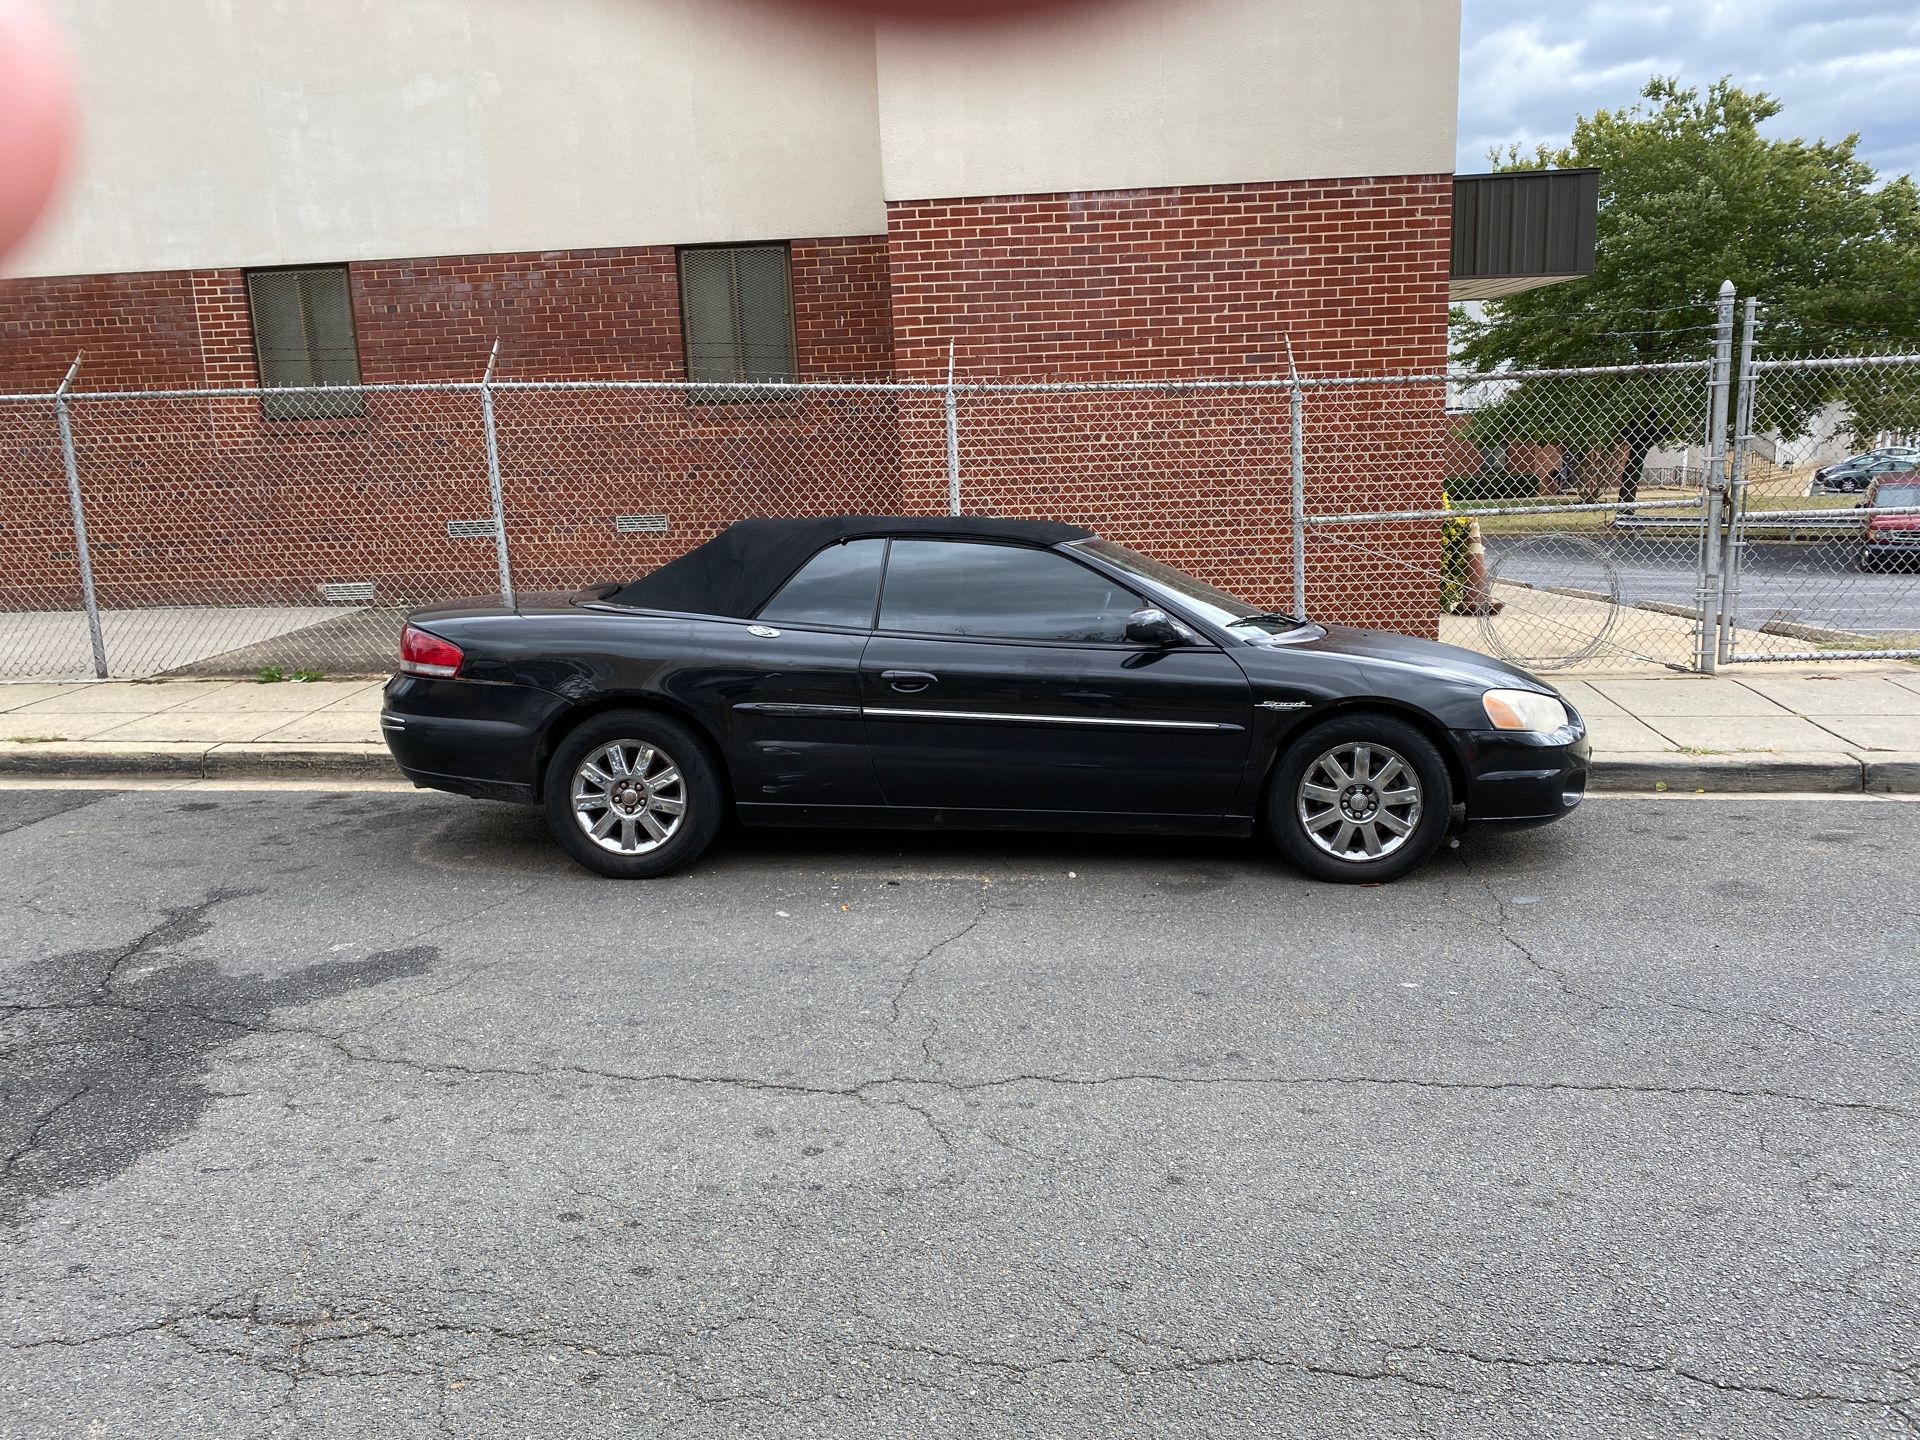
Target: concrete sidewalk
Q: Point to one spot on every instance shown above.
(1810, 729)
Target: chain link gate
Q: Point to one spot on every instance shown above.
(1822, 555)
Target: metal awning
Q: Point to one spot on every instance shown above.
(1520, 229)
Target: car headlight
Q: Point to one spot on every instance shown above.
(1524, 710)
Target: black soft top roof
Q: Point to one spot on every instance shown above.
(737, 571)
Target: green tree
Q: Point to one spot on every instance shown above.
(1692, 194)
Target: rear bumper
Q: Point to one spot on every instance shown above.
(1520, 779)
(468, 737)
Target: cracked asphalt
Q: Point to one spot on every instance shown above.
(364, 1113)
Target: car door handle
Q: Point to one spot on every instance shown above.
(908, 681)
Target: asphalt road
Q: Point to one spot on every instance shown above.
(1807, 583)
(365, 1114)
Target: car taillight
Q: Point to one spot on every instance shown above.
(424, 654)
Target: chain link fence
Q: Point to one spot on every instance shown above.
(220, 540)
(1561, 518)
(1823, 554)
(604, 482)
(1575, 507)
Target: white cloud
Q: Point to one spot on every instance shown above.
(1838, 66)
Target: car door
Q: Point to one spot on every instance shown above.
(999, 679)
(790, 689)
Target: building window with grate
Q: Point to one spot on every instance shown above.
(303, 336)
(736, 311)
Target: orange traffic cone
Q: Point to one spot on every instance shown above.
(1479, 599)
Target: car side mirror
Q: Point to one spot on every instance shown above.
(1152, 626)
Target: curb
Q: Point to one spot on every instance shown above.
(102, 760)
(1876, 772)
(1659, 771)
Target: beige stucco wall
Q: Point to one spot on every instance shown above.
(265, 132)
(1169, 92)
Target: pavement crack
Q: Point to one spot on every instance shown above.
(111, 1053)
(1419, 1083)
(178, 924)
(1183, 1364)
(1504, 922)
(859, 1090)
(1503, 926)
(38, 1130)
(931, 1028)
(1653, 1367)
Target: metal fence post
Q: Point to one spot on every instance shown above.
(953, 439)
(1734, 551)
(493, 479)
(1707, 592)
(80, 547)
(1296, 420)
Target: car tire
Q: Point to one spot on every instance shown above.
(1326, 815)
(650, 812)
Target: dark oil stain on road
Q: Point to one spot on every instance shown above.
(105, 1050)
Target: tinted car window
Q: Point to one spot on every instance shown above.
(1213, 603)
(948, 587)
(837, 587)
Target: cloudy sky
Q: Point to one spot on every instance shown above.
(1527, 67)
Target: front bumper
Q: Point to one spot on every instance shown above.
(470, 737)
(1516, 778)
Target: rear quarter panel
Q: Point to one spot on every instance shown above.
(700, 669)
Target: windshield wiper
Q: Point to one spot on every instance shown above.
(1274, 616)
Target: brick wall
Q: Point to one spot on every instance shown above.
(224, 324)
(842, 313)
(1196, 281)
(1202, 281)
(575, 314)
(570, 314)
(600, 314)
(140, 332)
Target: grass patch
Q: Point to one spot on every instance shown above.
(1551, 524)
(34, 739)
(1590, 520)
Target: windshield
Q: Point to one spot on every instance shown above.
(1195, 595)
(1898, 495)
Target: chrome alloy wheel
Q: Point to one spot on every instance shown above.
(629, 797)
(1359, 801)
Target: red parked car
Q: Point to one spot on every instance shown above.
(1892, 539)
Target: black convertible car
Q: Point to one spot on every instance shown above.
(971, 673)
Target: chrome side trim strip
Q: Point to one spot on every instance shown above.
(873, 713)
(782, 707)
